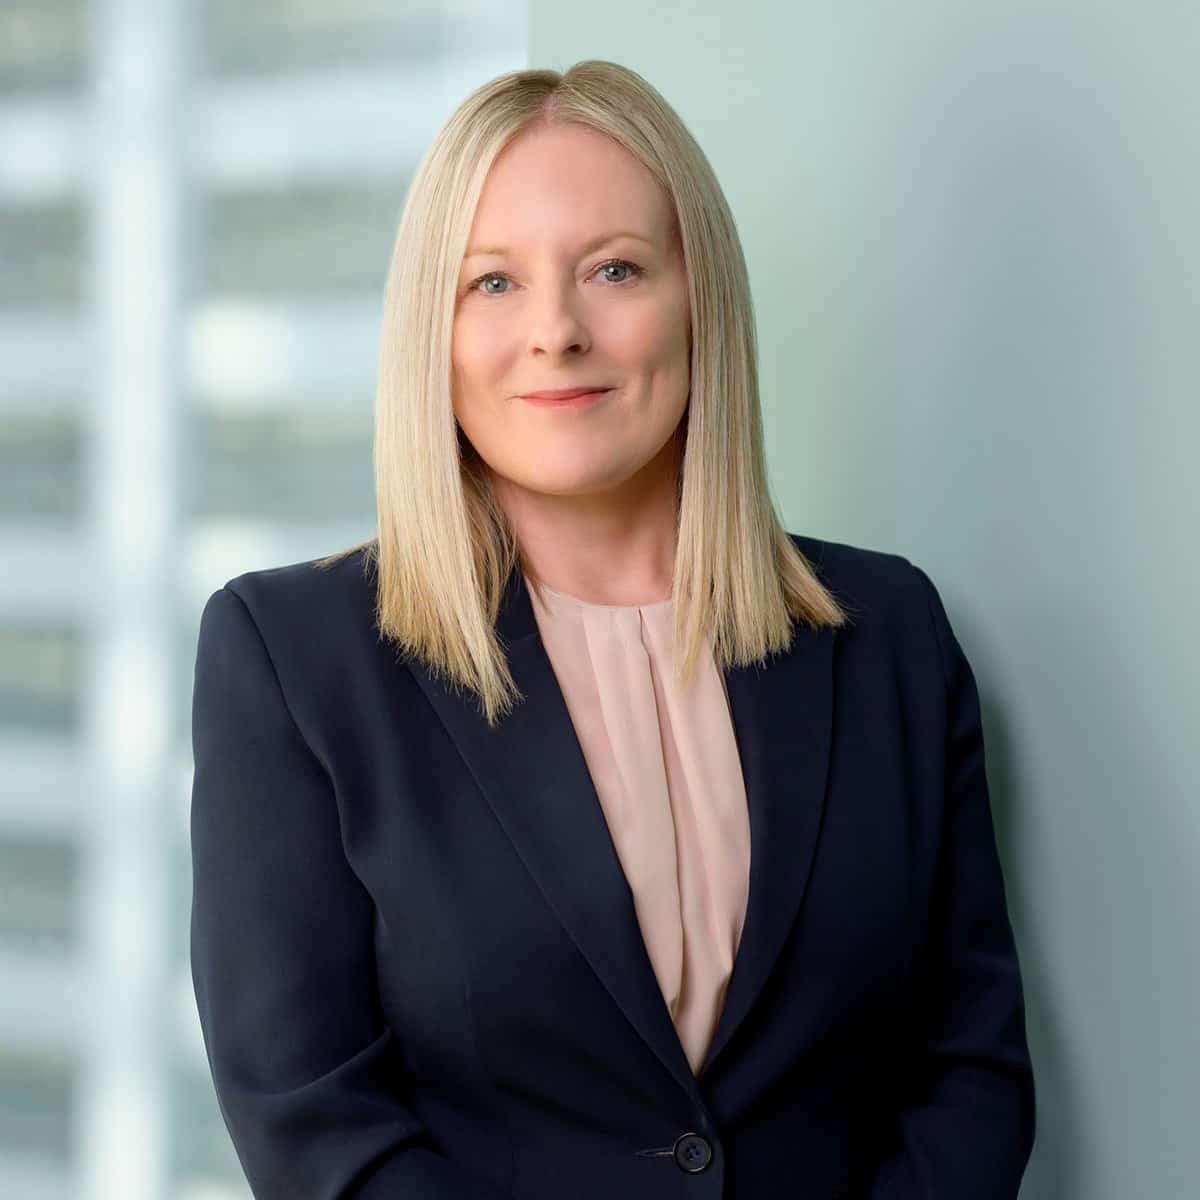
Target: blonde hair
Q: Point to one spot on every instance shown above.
(444, 550)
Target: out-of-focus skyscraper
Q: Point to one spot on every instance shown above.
(197, 204)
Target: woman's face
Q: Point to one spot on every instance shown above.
(555, 291)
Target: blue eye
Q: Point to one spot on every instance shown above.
(620, 262)
(633, 269)
(485, 278)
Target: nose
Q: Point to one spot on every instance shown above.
(557, 323)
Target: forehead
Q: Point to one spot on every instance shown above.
(567, 182)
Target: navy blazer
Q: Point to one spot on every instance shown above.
(418, 967)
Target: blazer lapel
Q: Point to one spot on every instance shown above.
(783, 720)
(533, 774)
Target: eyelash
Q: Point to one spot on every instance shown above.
(635, 270)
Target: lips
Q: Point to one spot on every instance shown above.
(562, 393)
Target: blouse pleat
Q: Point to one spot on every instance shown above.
(664, 762)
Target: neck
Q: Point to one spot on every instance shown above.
(613, 547)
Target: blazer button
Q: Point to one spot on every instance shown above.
(692, 1152)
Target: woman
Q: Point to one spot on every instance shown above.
(496, 893)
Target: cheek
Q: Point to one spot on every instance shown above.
(476, 345)
(655, 337)
(666, 328)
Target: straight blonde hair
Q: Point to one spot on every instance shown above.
(445, 550)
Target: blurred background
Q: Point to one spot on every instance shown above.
(197, 206)
(971, 232)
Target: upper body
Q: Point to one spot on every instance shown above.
(438, 954)
(418, 960)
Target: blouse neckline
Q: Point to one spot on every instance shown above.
(562, 599)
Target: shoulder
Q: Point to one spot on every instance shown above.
(893, 605)
(865, 578)
(309, 626)
(308, 593)
(314, 580)
(308, 614)
(313, 606)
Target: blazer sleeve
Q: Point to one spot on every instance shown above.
(282, 953)
(967, 1125)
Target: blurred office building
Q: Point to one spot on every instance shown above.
(197, 205)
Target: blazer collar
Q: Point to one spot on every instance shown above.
(533, 774)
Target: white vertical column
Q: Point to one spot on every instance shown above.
(134, 172)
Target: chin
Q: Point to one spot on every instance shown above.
(570, 483)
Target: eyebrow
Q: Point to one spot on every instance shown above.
(593, 244)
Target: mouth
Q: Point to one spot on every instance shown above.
(569, 398)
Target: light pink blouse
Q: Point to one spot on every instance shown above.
(665, 765)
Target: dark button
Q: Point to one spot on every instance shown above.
(692, 1152)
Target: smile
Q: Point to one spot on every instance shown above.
(581, 400)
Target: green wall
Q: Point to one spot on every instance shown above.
(972, 234)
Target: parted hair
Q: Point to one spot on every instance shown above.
(444, 549)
